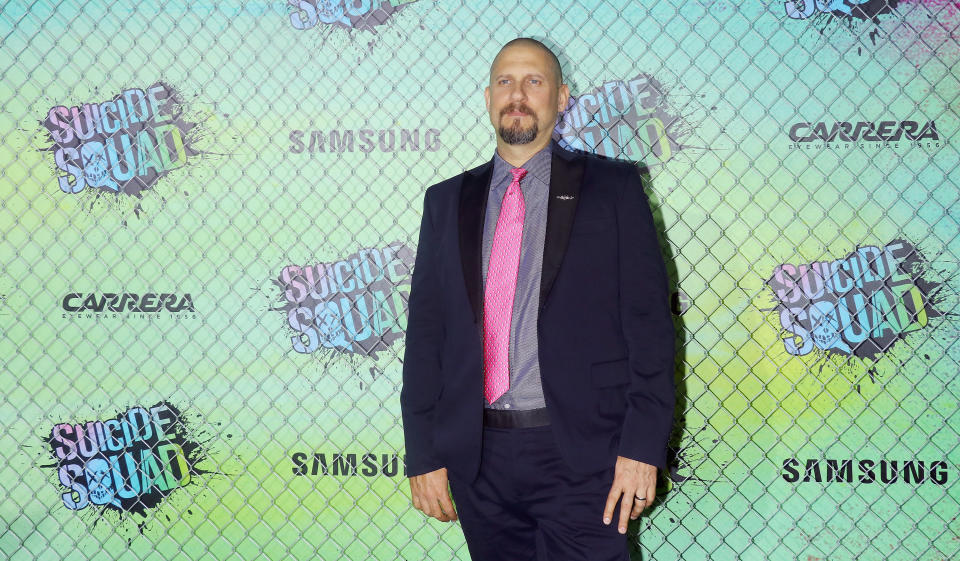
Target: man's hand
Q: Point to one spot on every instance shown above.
(634, 481)
(431, 495)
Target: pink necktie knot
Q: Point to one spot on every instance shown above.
(518, 174)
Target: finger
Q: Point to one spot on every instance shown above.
(434, 510)
(638, 506)
(650, 494)
(447, 506)
(612, 498)
(442, 507)
(443, 515)
(625, 508)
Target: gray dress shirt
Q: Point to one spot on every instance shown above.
(525, 391)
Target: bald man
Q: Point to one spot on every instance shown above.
(538, 373)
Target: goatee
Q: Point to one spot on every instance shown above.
(516, 134)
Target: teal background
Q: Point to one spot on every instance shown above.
(734, 202)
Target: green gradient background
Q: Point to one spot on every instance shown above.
(734, 204)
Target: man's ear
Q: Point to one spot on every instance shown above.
(486, 97)
(563, 97)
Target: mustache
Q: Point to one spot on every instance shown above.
(517, 107)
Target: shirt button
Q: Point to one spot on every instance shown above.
(506, 406)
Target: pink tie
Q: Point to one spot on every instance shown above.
(500, 290)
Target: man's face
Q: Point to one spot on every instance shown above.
(524, 98)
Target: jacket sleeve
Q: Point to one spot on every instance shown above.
(647, 328)
(421, 359)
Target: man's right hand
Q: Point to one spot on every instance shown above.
(432, 496)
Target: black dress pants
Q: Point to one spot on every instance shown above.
(527, 505)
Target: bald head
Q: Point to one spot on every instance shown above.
(524, 97)
(528, 42)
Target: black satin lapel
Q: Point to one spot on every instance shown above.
(565, 177)
(473, 203)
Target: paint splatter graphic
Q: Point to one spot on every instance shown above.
(686, 452)
(356, 305)
(123, 146)
(307, 14)
(858, 306)
(624, 119)
(916, 29)
(127, 464)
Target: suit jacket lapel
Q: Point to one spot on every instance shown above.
(473, 204)
(566, 173)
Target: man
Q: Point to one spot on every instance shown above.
(538, 374)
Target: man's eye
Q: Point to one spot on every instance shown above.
(535, 81)
(503, 82)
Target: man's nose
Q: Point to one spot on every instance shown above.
(517, 93)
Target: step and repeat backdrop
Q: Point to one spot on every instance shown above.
(209, 219)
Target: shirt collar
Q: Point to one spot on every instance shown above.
(537, 166)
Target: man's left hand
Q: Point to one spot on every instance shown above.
(634, 485)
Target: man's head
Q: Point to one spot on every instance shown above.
(526, 92)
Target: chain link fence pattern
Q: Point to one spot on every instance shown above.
(209, 217)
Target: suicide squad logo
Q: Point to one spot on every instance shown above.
(623, 119)
(127, 463)
(355, 305)
(124, 145)
(915, 26)
(348, 14)
(850, 11)
(860, 305)
(859, 9)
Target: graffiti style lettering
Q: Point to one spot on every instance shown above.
(856, 306)
(356, 305)
(129, 462)
(122, 145)
(349, 14)
(622, 119)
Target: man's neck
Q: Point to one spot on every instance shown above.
(518, 154)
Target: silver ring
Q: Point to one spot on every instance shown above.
(639, 498)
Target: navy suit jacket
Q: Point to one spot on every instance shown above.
(605, 333)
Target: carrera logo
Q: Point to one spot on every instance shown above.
(882, 131)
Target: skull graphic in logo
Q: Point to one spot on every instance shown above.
(330, 327)
(95, 168)
(99, 483)
(826, 327)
